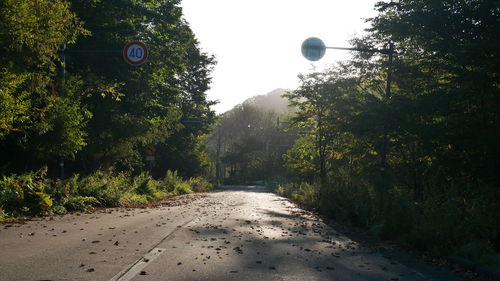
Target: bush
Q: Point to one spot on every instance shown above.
(304, 193)
(32, 194)
(106, 187)
(447, 220)
(199, 184)
(3, 215)
(144, 184)
(174, 184)
(80, 203)
(22, 195)
(170, 181)
(130, 199)
(182, 188)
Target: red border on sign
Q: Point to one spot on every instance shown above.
(139, 62)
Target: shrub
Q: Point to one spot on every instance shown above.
(174, 184)
(106, 187)
(447, 220)
(144, 184)
(170, 180)
(3, 215)
(25, 194)
(80, 203)
(304, 193)
(32, 194)
(200, 184)
(182, 188)
(130, 199)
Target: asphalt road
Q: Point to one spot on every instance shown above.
(238, 233)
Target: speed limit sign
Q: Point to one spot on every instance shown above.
(135, 53)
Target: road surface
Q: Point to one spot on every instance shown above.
(238, 233)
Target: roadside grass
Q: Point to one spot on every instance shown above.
(446, 222)
(33, 194)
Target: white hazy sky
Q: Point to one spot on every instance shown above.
(257, 42)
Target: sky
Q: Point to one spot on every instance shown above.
(257, 42)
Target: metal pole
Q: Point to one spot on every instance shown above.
(62, 57)
(382, 51)
(320, 47)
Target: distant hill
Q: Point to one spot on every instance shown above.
(271, 101)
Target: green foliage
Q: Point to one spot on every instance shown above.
(137, 110)
(441, 122)
(182, 188)
(300, 159)
(33, 194)
(66, 119)
(130, 199)
(80, 203)
(199, 184)
(145, 184)
(3, 215)
(304, 193)
(248, 144)
(105, 114)
(173, 183)
(106, 187)
(25, 194)
(31, 106)
(482, 253)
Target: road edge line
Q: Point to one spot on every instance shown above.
(120, 276)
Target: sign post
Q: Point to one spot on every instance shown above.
(314, 49)
(135, 53)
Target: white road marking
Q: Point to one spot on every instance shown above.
(130, 271)
(134, 269)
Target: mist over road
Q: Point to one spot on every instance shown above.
(237, 233)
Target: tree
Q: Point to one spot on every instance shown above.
(442, 124)
(447, 84)
(248, 144)
(139, 107)
(34, 111)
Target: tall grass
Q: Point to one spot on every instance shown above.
(33, 194)
(447, 221)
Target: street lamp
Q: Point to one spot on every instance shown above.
(314, 49)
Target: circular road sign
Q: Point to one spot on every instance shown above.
(135, 53)
(313, 49)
